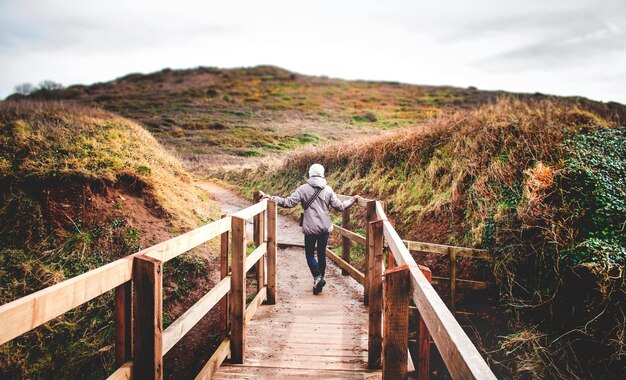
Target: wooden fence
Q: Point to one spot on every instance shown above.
(386, 292)
(140, 341)
(452, 252)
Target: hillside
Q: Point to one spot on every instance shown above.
(220, 117)
(536, 179)
(79, 188)
(538, 182)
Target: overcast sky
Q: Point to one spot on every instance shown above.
(567, 47)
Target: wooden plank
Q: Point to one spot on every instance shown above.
(423, 340)
(361, 202)
(452, 258)
(462, 284)
(346, 243)
(354, 273)
(374, 273)
(458, 353)
(124, 372)
(349, 235)
(255, 303)
(443, 250)
(26, 313)
(272, 296)
(370, 216)
(249, 212)
(238, 291)
(171, 248)
(194, 314)
(255, 256)
(259, 237)
(224, 270)
(396, 319)
(122, 318)
(267, 372)
(148, 321)
(215, 361)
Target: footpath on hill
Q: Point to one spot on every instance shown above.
(327, 331)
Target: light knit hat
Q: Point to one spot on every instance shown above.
(316, 170)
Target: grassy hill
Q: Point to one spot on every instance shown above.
(536, 179)
(538, 182)
(220, 117)
(79, 188)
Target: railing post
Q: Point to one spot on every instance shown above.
(148, 323)
(396, 318)
(123, 323)
(346, 244)
(271, 253)
(423, 339)
(224, 320)
(375, 248)
(370, 217)
(238, 291)
(452, 255)
(259, 238)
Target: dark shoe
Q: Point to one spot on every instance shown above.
(318, 284)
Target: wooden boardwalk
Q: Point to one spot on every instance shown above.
(304, 335)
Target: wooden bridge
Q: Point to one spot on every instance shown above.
(347, 332)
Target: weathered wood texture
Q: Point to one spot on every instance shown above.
(224, 270)
(352, 271)
(441, 249)
(180, 244)
(125, 372)
(346, 243)
(361, 202)
(349, 235)
(397, 287)
(27, 313)
(123, 323)
(215, 361)
(370, 216)
(272, 296)
(306, 335)
(457, 351)
(249, 212)
(259, 238)
(238, 290)
(374, 273)
(148, 319)
(423, 340)
(181, 326)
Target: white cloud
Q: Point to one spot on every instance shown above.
(566, 48)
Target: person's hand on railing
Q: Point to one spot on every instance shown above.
(356, 198)
(263, 195)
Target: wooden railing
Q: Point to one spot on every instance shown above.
(452, 252)
(140, 341)
(387, 298)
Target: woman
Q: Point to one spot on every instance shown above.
(316, 198)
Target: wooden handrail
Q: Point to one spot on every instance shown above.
(249, 212)
(194, 314)
(457, 351)
(255, 256)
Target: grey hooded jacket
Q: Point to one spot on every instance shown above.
(317, 216)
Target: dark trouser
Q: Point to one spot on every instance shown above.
(318, 268)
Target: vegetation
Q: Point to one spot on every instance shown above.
(239, 116)
(536, 179)
(538, 182)
(79, 188)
